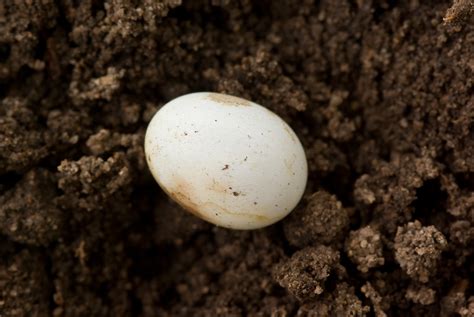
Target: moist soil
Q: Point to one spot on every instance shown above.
(379, 92)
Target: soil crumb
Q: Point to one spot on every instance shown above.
(305, 273)
(364, 247)
(323, 220)
(418, 249)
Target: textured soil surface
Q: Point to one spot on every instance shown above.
(380, 93)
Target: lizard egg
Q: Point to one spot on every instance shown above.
(227, 160)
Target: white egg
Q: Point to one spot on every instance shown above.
(227, 160)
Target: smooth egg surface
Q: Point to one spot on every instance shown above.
(227, 160)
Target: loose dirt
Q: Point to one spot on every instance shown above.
(380, 93)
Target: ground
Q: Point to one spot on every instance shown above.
(379, 92)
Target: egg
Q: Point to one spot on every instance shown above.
(227, 160)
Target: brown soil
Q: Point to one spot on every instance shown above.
(380, 93)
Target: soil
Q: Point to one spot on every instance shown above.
(380, 93)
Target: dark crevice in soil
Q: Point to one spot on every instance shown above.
(430, 199)
(465, 181)
(4, 52)
(8, 180)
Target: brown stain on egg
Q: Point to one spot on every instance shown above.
(218, 187)
(290, 133)
(185, 201)
(289, 164)
(183, 192)
(228, 100)
(220, 209)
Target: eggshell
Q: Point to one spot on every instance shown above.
(227, 160)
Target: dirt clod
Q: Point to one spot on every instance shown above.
(418, 249)
(24, 285)
(305, 272)
(421, 295)
(323, 220)
(364, 248)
